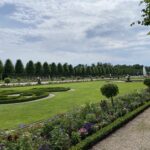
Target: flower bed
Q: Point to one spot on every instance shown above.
(80, 128)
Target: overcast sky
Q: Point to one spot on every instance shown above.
(73, 31)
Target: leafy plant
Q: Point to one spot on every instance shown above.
(91, 118)
(147, 83)
(75, 138)
(110, 90)
(7, 80)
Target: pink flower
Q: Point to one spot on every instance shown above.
(83, 131)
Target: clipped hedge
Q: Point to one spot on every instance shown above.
(104, 132)
(34, 94)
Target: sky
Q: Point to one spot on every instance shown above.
(73, 31)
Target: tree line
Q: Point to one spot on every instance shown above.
(53, 70)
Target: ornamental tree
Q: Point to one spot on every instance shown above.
(110, 90)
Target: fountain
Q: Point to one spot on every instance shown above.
(144, 71)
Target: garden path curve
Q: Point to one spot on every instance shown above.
(133, 136)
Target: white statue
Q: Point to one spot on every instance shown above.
(144, 71)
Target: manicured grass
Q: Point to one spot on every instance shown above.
(11, 115)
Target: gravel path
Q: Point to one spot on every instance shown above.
(133, 136)
(33, 101)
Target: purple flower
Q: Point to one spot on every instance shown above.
(88, 126)
(44, 147)
(22, 126)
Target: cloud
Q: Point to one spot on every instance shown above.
(73, 30)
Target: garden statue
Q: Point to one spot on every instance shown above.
(38, 80)
(128, 78)
(144, 71)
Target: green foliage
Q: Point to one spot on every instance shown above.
(104, 105)
(110, 90)
(147, 82)
(54, 70)
(30, 68)
(18, 80)
(46, 69)
(19, 68)
(67, 70)
(59, 139)
(60, 69)
(146, 13)
(75, 138)
(1, 69)
(104, 132)
(65, 130)
(38, 69)
(7, 80)
(91, 118)
(8, 69)
(27, 95)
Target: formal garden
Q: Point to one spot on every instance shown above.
(81, 122)
(79, 105)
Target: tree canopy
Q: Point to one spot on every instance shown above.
(145, 14)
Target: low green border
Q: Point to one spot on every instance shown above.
(104, 132)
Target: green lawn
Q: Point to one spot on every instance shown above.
(11, 115)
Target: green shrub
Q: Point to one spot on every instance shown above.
(147, 83)
(110, 90)
(27, 95)
(91, 118)
(75, 138)
(104, 105)
(59, 139)
(7, 80)
(18, 80)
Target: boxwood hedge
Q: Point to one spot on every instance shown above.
(104, 132)
(12, 96)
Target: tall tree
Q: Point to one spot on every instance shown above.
(66, 69)
(53, 70)
(71, 70)
(60, 69)
(1, 69)
(30, 68)
(8, 69)
(19, 68)
(46, 69)
(38, 69)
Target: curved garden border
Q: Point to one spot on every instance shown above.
(106, 131)
(9, 97)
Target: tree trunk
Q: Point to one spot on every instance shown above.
(112, 101)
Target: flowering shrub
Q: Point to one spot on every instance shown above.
(66, 130)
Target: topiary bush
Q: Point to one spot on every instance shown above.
(110, 90)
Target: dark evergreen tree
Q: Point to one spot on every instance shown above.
(46, 69)
(66, 69)
(30, 68)
(60, 69)
(71, 70)
(38, 69)
(53, 70)
(19, 68)
(1, 69)
(8, 69)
